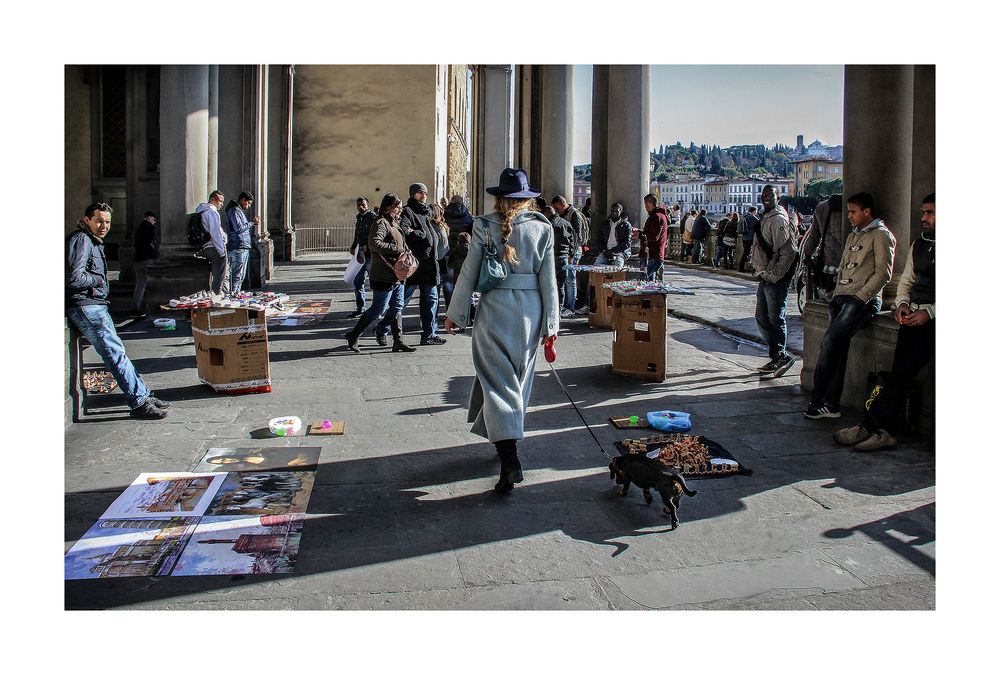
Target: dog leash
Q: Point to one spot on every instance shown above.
(569, 397)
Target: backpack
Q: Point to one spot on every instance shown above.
(196, 231)
(584, 229)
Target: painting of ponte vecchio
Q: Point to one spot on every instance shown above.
(166, 494)
(240, 545)
(262, 493)
(129, 548)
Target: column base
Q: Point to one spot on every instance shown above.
(174, 273)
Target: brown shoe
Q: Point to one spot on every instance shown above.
(851, 436)
(879, 441)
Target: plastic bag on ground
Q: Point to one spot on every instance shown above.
(669, 421)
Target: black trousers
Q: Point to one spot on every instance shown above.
(914, 349)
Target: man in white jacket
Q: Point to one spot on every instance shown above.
(215, 250)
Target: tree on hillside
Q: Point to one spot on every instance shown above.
(824, 187)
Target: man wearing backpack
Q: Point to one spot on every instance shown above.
(865, 268)
(824, 240)
(215, 249)
(746, 229)
(773, 257)
(581, 228)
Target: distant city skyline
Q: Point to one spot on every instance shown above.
(725, 105)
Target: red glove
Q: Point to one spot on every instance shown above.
(550, 348)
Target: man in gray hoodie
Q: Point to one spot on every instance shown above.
(773, 257)
(215, 250)
(865, 268)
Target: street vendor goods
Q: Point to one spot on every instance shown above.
(647, 473)
(634, 288)
(690, 455)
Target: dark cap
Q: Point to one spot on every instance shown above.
(417, 187)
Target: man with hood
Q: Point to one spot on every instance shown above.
(773, 257)
(653, 242)
(865, 268)
(87, 291)
(215, 250)
(615, 237)
(459, 219)
(422, 239)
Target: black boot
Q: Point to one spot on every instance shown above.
(397, 337)
(510, 466)
(355, 334)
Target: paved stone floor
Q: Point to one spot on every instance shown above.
(402, 515)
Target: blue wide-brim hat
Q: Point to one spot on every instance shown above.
(513, 185)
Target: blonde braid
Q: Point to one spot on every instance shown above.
(509, 209)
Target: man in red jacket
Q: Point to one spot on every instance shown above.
(654, 236)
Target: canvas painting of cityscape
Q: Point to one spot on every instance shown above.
(129, 548)
(239, 545)
(262, 493)
(259, 459)
(298, 312)
(159, 495)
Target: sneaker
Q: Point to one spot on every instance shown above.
(851, 436)
(783, 365)
(821, 411)
(148, 412)
(877, 442)
(434, 341)
(769, 367)
(382, 339)
(567, 313)
(158, 403)
(583, 311)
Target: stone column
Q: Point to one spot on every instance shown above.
(213, 130)
(236, 148)
(261, 127)
(621, 122)
(493, 131)
(555, 134)
(599, 146)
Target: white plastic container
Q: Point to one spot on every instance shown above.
(165, 323)
(284, 426)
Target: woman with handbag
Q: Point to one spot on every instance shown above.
(511, 264)
(390, 260)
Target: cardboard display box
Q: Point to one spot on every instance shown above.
(600, 299)
(640, 345)
(231, 349)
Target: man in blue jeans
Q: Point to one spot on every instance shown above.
(87, 302)
(238, 235)
(865, 268)
(773, 259)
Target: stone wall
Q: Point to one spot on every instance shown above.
(359, 130)
(77, 171)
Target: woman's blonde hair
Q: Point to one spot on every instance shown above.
(437, 217)
(509, 209)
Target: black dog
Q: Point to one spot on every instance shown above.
(647, 473)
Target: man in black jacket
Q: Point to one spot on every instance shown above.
(563, 246)
(615, 237)
(146, 250)
(699, 232)
(422, 241)
(362, 226)
(87, 302)
(581, 230)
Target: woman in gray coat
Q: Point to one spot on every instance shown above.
(512, 318)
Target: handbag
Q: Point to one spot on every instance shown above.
(354, 267)
(405, 266)
(729, 241)
(491, 269)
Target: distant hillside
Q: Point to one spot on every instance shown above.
(701, 160)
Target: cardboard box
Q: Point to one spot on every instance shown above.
(600, 300)
(231, 349)
(640, 344)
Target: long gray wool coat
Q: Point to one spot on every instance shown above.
(510, 322)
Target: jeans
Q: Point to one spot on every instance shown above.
(359, 283)
(95, 323)
(654, 269)
(141, 280)
(428, 311)
(562, 269)
(696, 248)
(238, 268)
(613, 258)
(770, 315)
(723, 254)
(747, 245)
(387, 304)
(447, 285)
(569, 288)
(218, 279)
(847, 315)
(914, 349)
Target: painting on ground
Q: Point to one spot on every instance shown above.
(260, 459)
(129, 548)
(262, 493)
(239, 545)
(156, 495)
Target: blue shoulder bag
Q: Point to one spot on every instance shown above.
(491, 269)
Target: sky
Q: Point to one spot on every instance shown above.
(721, 105)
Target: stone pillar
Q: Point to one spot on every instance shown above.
(183, 148)
(599, 146)
(493, 130)
(213, 130)
(236, 147)
(260, 135)
(621, 124)
(555, 134)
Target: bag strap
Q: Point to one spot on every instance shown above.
(826, 227)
